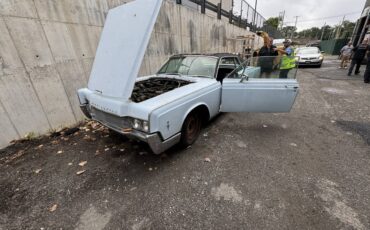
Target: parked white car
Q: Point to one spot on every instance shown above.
(309, 56)
(171, 106)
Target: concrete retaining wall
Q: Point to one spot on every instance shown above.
(47, 48)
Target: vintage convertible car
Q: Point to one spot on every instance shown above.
(170, 106)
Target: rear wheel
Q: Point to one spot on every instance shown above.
(190, 129)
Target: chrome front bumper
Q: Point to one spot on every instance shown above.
(154, 140)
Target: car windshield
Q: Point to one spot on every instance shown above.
(308, 51)
(190, 65)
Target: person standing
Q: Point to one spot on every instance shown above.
(367, 71)
(266, 58)
(345, 54)
(287, 60)
(358, 55)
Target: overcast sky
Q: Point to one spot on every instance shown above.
(311, 12)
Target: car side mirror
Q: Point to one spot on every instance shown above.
(322, 52)
(244, 78)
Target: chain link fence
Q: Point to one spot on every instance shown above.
(239, 13)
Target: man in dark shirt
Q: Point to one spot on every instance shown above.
(367, 71)
(266, 58)
(358, 56)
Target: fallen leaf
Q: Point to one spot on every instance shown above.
(293, 144)
(15, 156)
(122, 150)
(107, 149)
(37, 171)
(80, 172)
(89, 138)
(207, 159)
(82, 163)
(70, 164)
(53, 208)
(60, 152)
(150, 169)
(265, 126)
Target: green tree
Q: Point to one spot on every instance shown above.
(273, 22)
(288, 31)
(347, 29)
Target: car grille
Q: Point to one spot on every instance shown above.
(312, 58)
(110, 120)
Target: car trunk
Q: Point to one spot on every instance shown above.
(152, 87)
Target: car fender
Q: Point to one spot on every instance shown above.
(194, 107)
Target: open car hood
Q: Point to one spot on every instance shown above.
(122, 47)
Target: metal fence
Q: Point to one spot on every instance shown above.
(241, 14)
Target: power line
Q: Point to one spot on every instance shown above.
(319, 19)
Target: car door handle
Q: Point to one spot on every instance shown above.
(291, 87)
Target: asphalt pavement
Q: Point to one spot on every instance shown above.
(307, 169)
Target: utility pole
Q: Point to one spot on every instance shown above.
(241, 8)
(340, 28)
(323, 31)
(295, 26)
(281, 18)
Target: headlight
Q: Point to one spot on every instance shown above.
(141, 125)
(297, 58)
(137, 124)
(321, 57)
(145, 126)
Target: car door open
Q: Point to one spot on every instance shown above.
(261, 84)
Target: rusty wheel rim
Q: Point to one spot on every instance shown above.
(192, 128)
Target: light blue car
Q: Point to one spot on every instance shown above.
(171, 106)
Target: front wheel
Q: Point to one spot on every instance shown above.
(190, 129)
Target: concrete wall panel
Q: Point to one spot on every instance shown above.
(88, 12)
(28, 37)
(9, 59)
(168, 20)
(8, 132)
(86, 64)
(81, 41)
(22, 104)
(72, 75)
(115, 3)
(52, 95)
(60, 40)
(19, 8)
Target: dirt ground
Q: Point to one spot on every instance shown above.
(308, 169)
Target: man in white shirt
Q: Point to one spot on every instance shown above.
(345, 52)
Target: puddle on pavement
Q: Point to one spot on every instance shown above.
(361, 128)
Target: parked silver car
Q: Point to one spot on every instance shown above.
(309, 56)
